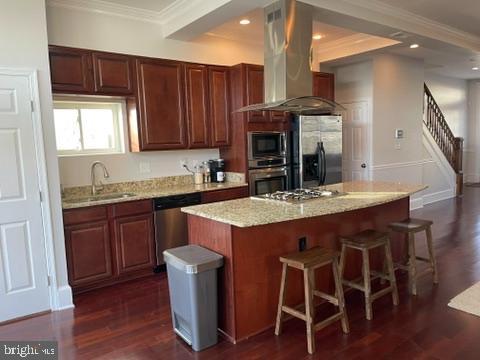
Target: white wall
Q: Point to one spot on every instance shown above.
(84, 29)
(354, 82)
(472, 161)
(23, 44)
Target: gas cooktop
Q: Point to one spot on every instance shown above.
(299, 195)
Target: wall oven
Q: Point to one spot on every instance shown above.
(267, 148)
(268, 180)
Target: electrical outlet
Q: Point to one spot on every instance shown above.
(302, 244)
(144, 167)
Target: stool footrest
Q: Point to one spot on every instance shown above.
(420, 258)
(294, 312)
(353, 284)
(328, 321)
(380, 293)
(331, 299)
(378, 275)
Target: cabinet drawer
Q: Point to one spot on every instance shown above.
(131, 208)
(226, 194)
(78, 216)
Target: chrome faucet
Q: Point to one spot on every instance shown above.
(96, 187)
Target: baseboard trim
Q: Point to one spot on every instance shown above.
(438, 196)
(416, 203)
(64, 298)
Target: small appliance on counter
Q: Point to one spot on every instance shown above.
(217, 170)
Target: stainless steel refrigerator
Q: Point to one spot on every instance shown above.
(316, 150)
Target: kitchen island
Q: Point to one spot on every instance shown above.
(252, 233)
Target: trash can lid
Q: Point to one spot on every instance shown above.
(192, 259)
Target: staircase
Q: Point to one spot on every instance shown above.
(451, 146)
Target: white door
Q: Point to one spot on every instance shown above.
(23, 267)
(356, 141)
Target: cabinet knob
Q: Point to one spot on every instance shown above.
(363, 166)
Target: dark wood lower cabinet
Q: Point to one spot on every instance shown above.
(89, 253)
(134, 243)
(109, 244)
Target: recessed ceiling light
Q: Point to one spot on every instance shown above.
(414, 46)
(244, 22)
(475, 68)
(317, 37)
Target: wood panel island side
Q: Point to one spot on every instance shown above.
(251, 234)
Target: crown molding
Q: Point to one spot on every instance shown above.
(108, 8)
(350, 40)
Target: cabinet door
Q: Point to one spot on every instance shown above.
(278, 116)
(161, 104)
(113, 73)
(70, 70)
(219, 105)
(324, 85)
(196, 99)
(134, 244)
(255, 93)
(88, 253)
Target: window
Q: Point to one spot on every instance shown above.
(88, 127)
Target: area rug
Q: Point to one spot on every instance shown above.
(468, 301)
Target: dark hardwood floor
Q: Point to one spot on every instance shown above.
(132, 321)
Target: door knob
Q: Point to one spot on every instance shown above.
(363, 166)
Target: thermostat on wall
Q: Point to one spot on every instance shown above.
(399, 134)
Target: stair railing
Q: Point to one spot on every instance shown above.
(451, 146)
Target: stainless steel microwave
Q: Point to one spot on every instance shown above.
(267, 148)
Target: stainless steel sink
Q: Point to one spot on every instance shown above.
(101, 197)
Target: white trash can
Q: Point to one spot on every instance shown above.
(192, 282)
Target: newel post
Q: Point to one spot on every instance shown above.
(458, 156)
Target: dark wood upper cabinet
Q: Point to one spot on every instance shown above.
(71, 70)
(134, 243)
(196, 101)
(219, 93)
(113, 73)
(323, 85)
(161, 104)
(88, 252)
(255, 92)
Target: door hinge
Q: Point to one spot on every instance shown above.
(49, 280)
(32, 105)
(41, 196)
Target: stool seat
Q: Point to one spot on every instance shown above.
(366, 239)
(410, 225)
(311, 258)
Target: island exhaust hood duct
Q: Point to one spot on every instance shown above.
(288, 58)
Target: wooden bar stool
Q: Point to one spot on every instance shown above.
(410, 227)
(308, 261)
(365, 241)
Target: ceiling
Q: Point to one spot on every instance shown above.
(253, 33)
(150, 5)
(461, 14)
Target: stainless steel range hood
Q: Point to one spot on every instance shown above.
(288, 58)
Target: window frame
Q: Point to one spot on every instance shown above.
(118, 110)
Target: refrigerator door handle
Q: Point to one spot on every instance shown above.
(324, 165)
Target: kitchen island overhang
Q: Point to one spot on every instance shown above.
(251, 234)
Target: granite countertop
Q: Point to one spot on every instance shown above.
(248, 212)
(140, 190)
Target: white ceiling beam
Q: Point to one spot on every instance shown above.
(188, 19)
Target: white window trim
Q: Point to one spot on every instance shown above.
(95, 103)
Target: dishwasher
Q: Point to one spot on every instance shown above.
(171, 224)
